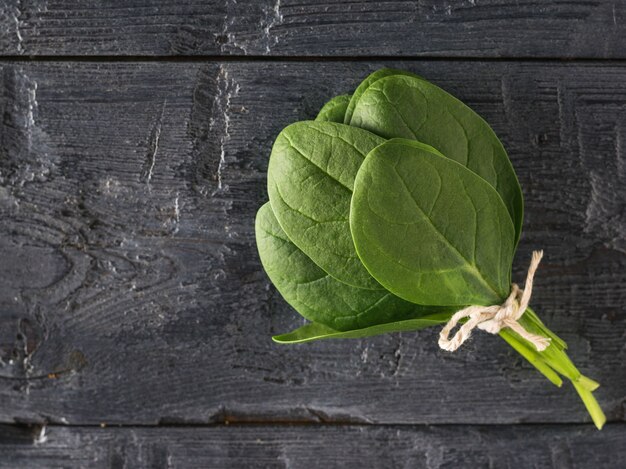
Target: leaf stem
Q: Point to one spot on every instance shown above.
(554, 360)
(588, 383)
(532, 356)
(542, 329)
(598, 417)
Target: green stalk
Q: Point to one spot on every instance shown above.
(559, 360)
(532, 356)
(542, 329)
(598, 417)
(555, 353)
(588, 383)
(554, 360)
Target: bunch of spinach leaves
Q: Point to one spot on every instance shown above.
(396, 207)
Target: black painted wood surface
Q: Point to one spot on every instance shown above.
(450, 28)
(133, 276)
(131, 294)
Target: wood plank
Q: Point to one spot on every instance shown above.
(454, 28)
(132, 291)
(311, 446)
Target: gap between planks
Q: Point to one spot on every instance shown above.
(298, 58)
(301, 423)
(38, 432)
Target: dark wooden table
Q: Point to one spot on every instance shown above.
(135, 318)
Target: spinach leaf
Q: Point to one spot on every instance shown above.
(310, 178)
(365, 84)
(409, 107)
(335, 109)
(315, 294)
(429, 230)
(316, 331)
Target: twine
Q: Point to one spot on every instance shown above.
(494, 318)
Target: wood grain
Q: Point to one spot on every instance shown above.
(131, 288)
(451, 28)
(317, 446)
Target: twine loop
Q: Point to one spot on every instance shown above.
(494, 318)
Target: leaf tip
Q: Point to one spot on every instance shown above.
(279, 339)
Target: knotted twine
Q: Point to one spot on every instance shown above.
(494, 318)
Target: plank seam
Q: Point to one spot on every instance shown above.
(299, 58)
(283, 423)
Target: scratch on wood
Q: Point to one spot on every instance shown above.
(28, 340)
(222, 113)
(32, 102)
(397, 356)
(30, 119)
(228, 38)
(20, 40)
(275, 19)
(153, 146)
(41, 437)
(176, 213)
(210, 127)
(223, 91)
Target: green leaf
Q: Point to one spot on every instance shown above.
(413, 108)
(310, 179)
(429, 230)
(365, 84)
(315, 294)
(315, 331)
(335, 109)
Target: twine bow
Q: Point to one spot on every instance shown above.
(494, 318)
